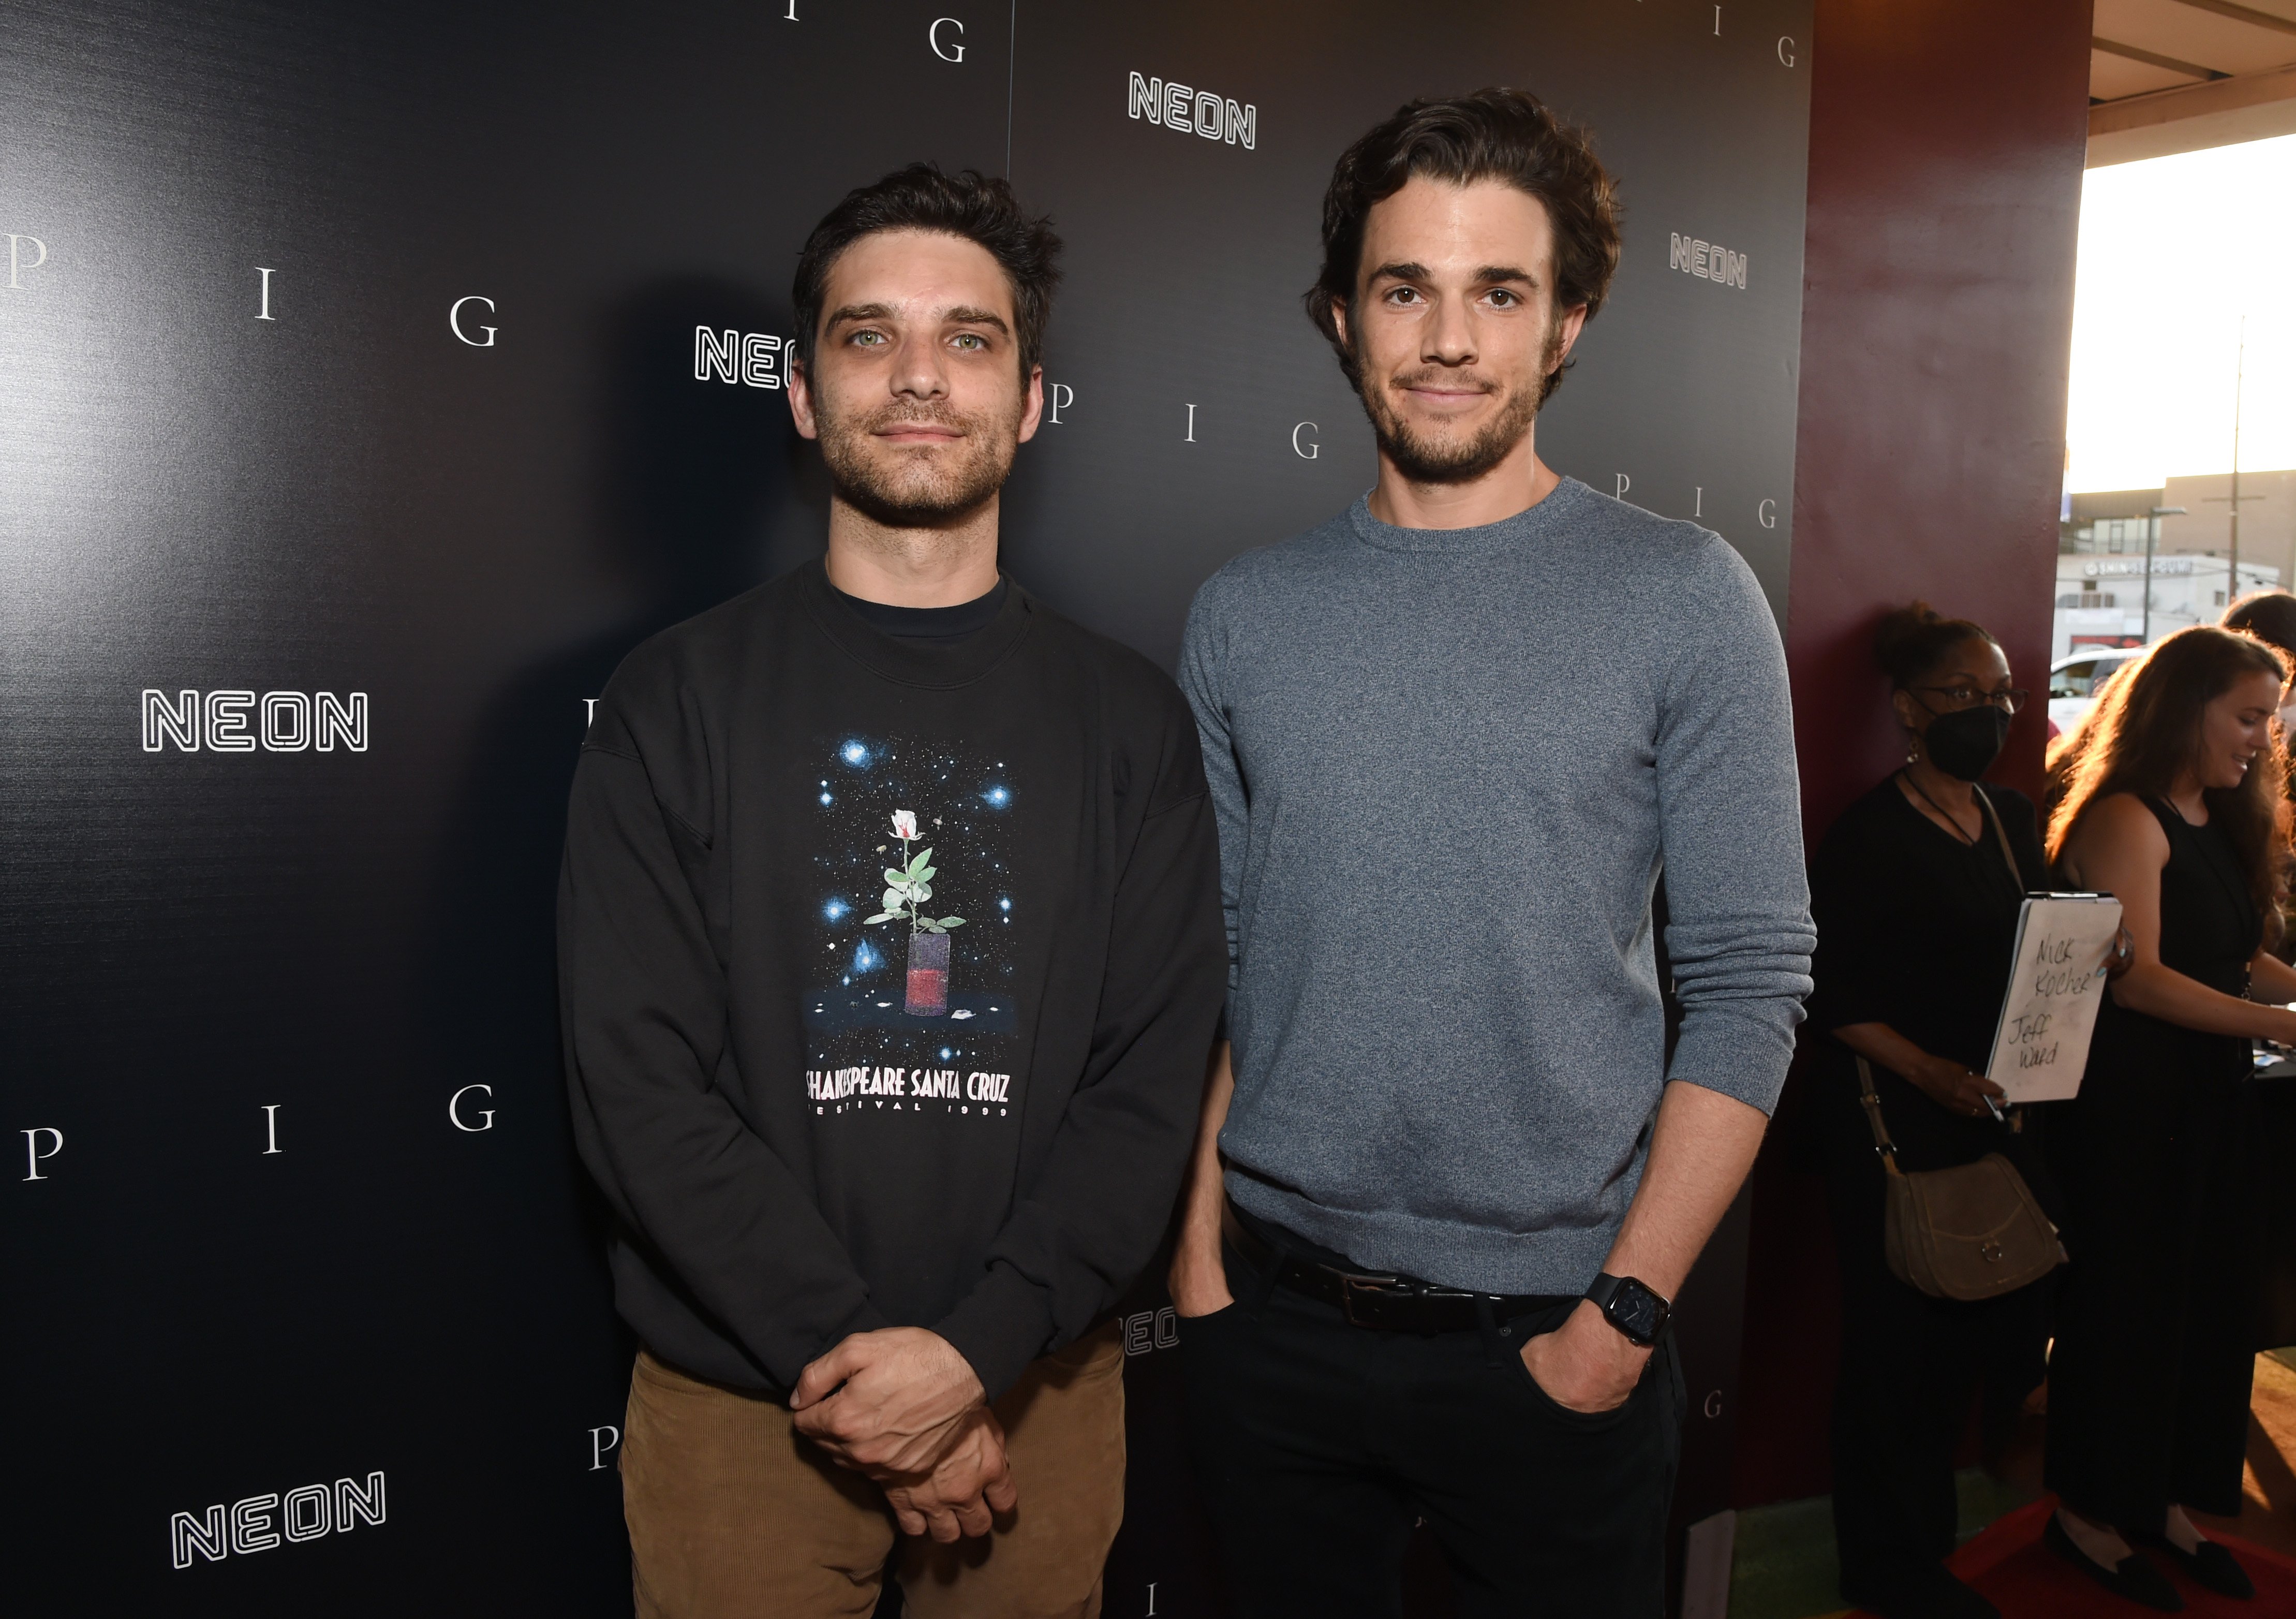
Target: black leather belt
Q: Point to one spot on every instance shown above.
(1385, 1303)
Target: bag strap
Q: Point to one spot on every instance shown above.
(1883, 1146)
(2001, 833)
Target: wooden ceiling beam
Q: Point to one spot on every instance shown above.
(2190, 69)
(2243, 14)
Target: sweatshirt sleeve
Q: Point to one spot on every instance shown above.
(643, 1009)
(1738, 935)
(1078, 1237)
(1200, 678)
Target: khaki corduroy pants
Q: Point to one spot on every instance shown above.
(735, 1515)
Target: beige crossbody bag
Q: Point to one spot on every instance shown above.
(1973, 1232)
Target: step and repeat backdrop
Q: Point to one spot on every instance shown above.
(372, 378)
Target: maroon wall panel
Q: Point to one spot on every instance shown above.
(1945, 170)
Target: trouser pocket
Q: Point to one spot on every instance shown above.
(1639, 1398)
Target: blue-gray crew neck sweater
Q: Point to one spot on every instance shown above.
(1451, 766)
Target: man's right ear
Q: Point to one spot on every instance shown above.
(800, 389)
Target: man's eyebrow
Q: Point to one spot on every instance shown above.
(967, 316)
(964, 315)
(1489, 275)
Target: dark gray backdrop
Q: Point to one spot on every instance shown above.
(249, 1249)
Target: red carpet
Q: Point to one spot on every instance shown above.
(2026, 1580)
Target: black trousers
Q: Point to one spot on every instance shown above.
(1318, 1444)
(2149, 1387)
(1909, 1363)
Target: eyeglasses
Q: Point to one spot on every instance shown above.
(2008, 701)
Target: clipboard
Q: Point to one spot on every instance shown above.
(2041, 1041)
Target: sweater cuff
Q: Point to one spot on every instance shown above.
(1742, 1058)
(999, 1327)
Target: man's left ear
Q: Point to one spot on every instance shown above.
(800, 389)
(1033, 410)
(1574, 321)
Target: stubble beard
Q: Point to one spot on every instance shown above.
(915, 488)
(1451, 459)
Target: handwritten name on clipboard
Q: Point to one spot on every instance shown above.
(2041, 1044)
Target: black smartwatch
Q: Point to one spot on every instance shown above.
(1630, 1307)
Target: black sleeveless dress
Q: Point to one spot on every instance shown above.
(2149, 1381)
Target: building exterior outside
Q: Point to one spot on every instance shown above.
(2268, 517)
(2100, 549)
(2101, 599)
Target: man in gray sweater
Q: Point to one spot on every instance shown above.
(1447, 1180)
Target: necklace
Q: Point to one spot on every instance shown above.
(1969, 839)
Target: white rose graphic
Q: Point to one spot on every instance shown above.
(908, 885)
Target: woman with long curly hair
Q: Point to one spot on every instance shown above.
(2169, 797)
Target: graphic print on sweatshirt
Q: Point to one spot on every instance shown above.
(913, 1013)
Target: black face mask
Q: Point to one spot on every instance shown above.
(1965, 743)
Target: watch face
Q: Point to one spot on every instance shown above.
(1637, 1310)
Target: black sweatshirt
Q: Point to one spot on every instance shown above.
(888, 968)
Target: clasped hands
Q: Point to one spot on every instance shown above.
(901, 1405)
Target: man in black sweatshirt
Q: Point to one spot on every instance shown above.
(890, 948)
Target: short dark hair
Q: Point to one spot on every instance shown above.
(977, 206)
(2269, 615)
(1492, 135)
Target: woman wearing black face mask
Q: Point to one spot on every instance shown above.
(1916, 890)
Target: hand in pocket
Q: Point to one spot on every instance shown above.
(1586, 1365)
(1198, 1279)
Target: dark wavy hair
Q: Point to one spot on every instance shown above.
(2145, 730)
(1910, 643)
(977, 206)
(2269, 615)
(1490, 134)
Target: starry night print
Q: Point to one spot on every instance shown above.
(914, 919)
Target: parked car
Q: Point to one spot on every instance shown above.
(2077, 680)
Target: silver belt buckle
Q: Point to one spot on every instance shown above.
(1352, 1288)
